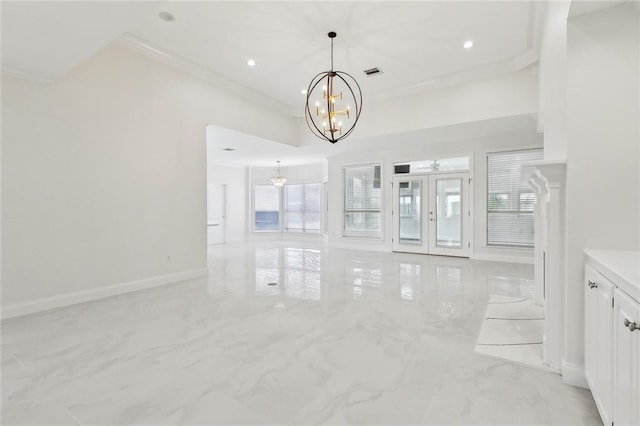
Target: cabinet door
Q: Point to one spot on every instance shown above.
(626, 366)
(599, 340)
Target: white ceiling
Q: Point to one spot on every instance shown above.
(414, 43)
(417, 45)
(42, 41)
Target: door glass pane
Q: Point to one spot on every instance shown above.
(410, 212)
(448, 208)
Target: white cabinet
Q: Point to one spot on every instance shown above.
(626, 360)
(612, 334)
(598, 340)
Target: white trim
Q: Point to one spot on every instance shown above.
(39, 305)
(26, 75)
(573, 374)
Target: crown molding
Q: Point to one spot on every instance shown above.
(11, 72)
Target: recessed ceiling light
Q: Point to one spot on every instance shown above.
(251, 63)
(303, 91)
(166, 16)
(468, 44)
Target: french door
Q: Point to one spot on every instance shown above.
(431, 214)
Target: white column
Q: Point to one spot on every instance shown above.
(548, 181)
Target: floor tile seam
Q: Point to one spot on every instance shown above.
(21, 364)
(75, 419)
(509, 344)
(506, 303)
(514, 319)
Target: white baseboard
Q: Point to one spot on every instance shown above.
(39, 305)
(503, 258)
(573, 374)
(360, 246)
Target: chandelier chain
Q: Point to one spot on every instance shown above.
(331, 54)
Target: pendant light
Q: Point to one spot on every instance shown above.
(333, 97)
(278, 180)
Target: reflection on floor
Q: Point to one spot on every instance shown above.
(512, 329)
(343, 337)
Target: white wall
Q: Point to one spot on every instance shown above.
(504, 95)
(603, 190)
(235, 179)
(552, 105)
(307, 173)
(475, 147)
(104, 172)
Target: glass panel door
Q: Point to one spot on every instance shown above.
(409, 227)
(449, 214)
(448, 220)
(409, 212)
(431, 214)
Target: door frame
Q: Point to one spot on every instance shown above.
(224, 211)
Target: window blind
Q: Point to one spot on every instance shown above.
(302, 207)
(267, 208)
(362, 201)
(509, 201)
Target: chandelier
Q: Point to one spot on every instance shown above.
(278, 180)
(341, 99)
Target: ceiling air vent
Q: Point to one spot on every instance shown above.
(373, 71)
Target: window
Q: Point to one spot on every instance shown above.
(267, 208)
(509, 201)
(362, 201)
(302, 207)
(432, 166)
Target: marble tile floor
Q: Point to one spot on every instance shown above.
(344, 337)
(512, 329)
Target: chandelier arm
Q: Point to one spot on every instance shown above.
(319, 134)
(358, 106)
(355, 99)
(329, 95)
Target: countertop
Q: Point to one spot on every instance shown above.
(620, 267)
